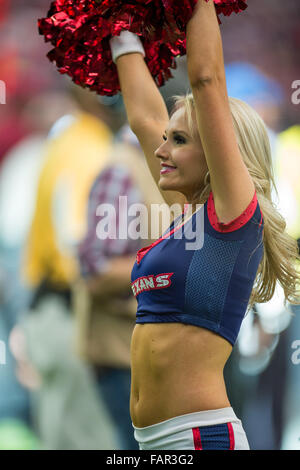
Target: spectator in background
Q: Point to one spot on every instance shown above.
(23, 162)
(59, 216)
(67, 412)
(104, 303)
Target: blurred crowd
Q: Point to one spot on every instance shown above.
(66, 309)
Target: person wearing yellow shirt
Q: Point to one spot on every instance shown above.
(69, 413)
(74, 157)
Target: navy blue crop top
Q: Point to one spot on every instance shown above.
(201, 272)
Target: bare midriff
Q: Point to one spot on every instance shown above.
(176, 369)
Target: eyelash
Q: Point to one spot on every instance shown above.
(177, 138)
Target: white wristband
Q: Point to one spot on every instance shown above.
(126, 43)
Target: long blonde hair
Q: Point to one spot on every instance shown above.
(281, 255)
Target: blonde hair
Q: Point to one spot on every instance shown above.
(279, 261)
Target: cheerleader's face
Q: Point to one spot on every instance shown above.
(183, 164)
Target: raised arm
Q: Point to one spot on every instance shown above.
(231, 183)
(146, 111)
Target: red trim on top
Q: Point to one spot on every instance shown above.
(197, 439)
(234, 224)
(231, 436)
(141, 253)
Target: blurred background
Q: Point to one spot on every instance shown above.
(56, 140)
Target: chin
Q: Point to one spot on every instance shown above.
(167, 186)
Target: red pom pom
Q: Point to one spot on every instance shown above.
(80, 31)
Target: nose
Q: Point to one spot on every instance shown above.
(162, 151)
